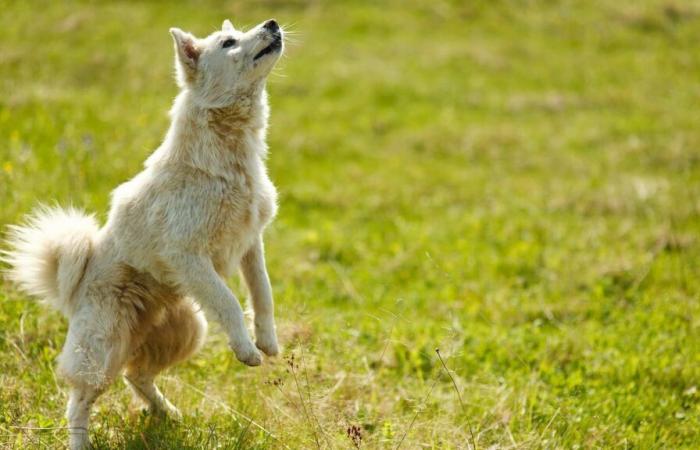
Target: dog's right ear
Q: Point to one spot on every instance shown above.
(186, 50)
(227, 26)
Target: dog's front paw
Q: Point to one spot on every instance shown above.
(267, 342)
(248, 354)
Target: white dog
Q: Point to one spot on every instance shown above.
(175, 230)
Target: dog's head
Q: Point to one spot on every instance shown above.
(227, 63)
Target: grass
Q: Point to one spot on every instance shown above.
(514, 183)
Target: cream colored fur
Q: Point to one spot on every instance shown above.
(132, 289)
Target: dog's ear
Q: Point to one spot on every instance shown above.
(186, 50)
(227, 26)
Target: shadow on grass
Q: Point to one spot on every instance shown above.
(150, 432)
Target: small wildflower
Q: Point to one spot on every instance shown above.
(355, 435)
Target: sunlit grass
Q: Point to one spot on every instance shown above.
(514, 183)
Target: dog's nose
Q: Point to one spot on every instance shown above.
(272, 26)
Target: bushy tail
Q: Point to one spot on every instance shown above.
(48, 254)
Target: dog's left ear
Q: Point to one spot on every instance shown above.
(227, 26)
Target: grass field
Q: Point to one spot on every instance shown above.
(516, 183)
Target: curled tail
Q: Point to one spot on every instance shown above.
(48, 254)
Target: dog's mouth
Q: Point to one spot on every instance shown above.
(273, 47)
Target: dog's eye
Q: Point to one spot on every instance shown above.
(228, 43)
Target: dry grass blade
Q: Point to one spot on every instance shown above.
(292, 369)
(459, 396)
(415, 416)
(227, 408)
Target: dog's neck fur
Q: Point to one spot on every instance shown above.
(215, 140)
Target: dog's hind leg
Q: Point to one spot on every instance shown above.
(177, 337)
(145, 389)
(89, 361)
(80, 401)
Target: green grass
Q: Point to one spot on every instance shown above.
(516, 183)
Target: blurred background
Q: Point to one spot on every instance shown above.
(513, 182)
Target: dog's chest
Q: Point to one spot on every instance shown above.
(247, 204)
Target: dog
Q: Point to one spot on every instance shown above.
(134, 290)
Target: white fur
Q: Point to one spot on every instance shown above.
(175, 231)
(50, 253)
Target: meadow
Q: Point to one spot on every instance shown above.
(514, 183)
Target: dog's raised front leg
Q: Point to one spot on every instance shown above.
(197, 275)
(255, 275)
